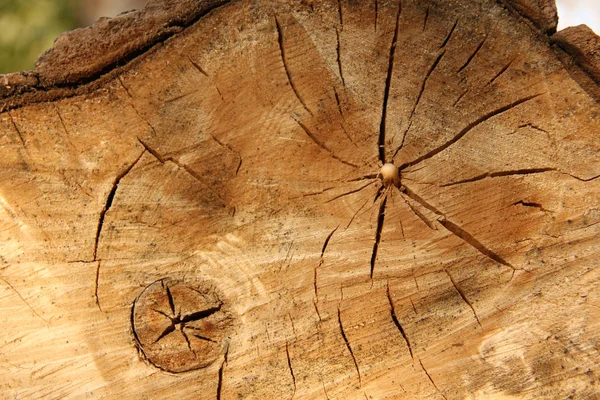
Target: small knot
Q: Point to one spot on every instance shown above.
(390, 175)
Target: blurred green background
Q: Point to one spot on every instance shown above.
(29, 27)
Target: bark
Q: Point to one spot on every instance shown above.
(199, 212)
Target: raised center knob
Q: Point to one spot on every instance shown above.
(390, 175)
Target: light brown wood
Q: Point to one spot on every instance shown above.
(221, 191)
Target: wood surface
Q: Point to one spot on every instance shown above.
(199, 213)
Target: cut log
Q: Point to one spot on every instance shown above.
(302, 199)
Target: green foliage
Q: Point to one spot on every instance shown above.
(29, 27)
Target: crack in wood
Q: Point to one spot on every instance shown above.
(503, 70)
(397, 322)
(418, 99)
(388, 84)
(323, 145)
(340, 15)
(420, 215)
(343, 332)
(516, 172)
(531, 204)
(447, 39)
(473, 242)
(231, 149)
(463, 296)
(411, 194)
(189, 344)
(97, 285)
(351, 192)
(321, 260)
(12, 120)
(379, 229)
(109, 202)
(356, 214)
(293, 325)
(431, 380)
(472, 56)
(459, 232)
(24, 301)
(280, 40)
(183, 167)
(426, 18)
(289, 361)
(198, 67)
(469, 128)
(339, 106)
(220, 374)
(460, 97)
(339, 61)
(376, 14)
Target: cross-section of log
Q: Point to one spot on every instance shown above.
(304, 199)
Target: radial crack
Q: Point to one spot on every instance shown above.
(420, 215)
(421, 201)
(198, 67)
(431, 380)
(206, 339)
(500, 174)
(418, 99)
(356, 214)
(169, 329)
(339, 61)
(285, 66)
(471, 241)
(323, 249)
(185, 168)
(397, 322)
(96, 285)
(23, 299)
(376, 14)
(220, 374)
(447, 39)
(169, 297)
(472, 56)
(348, 346)
(426, 18)
(503, 70)
(323, 145)
(350, 192)
(379, 229)
(109, 201)
(468, 128)
(460, 97)
(388, 84)
(340, 15)
(16, 128)
(462, 295)
(289, 361)
(198, 315)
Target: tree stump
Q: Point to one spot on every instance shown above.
(304, 199)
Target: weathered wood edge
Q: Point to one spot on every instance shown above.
(541, 13)
(578, 47)
(81, 61)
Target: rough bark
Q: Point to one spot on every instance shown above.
(202, 216)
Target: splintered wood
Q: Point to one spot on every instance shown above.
(312, 200)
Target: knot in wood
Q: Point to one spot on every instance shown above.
(390, 175)
(178, 326)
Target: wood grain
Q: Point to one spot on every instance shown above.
(243, 155)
